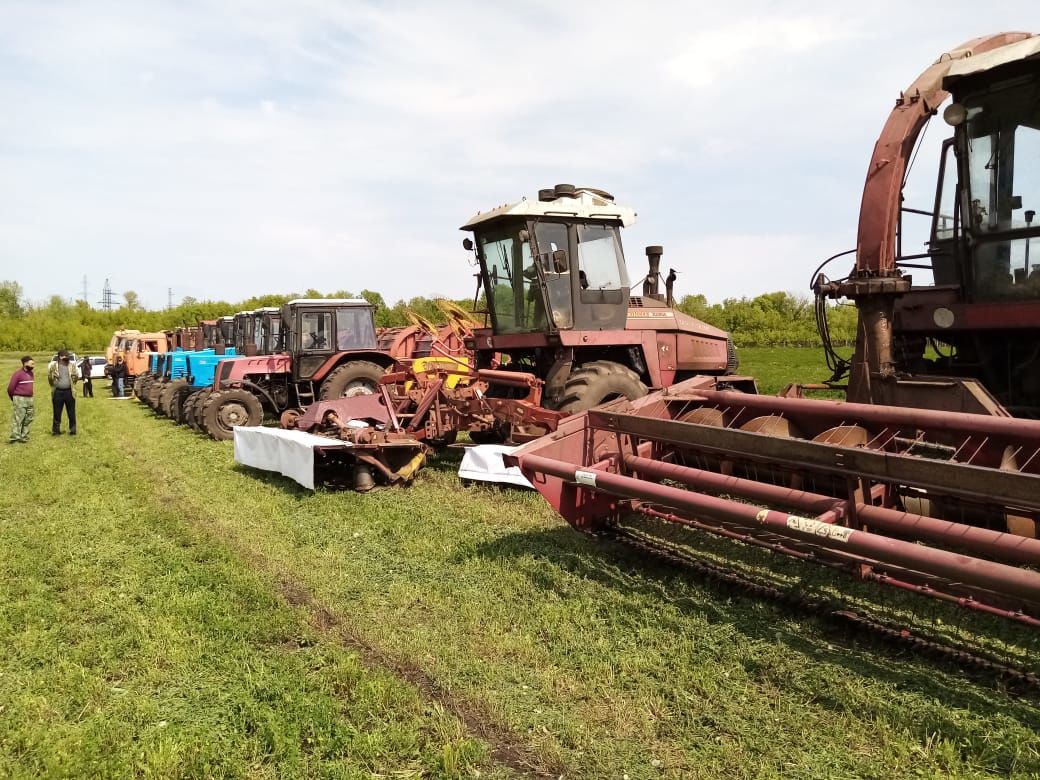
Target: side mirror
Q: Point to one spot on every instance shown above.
(525, 237)
(467, 244)
(560, 261)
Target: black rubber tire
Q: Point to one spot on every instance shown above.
(141, 387)
(592, 384)
(229, 409)
(358, 377)
(732, 361)
(170, 389)
(195, 421)
(188, 409)
(176, 412)
(152, 393)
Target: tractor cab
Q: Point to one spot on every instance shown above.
(316, 329)
(242, 331)
(266, 331)
(553, 264)
(225, 332)
(210, 334)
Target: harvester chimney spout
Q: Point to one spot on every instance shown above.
(651, 285)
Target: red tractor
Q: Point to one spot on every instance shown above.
(326, 348)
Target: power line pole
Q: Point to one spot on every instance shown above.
(107, 298)
(169, 297)
(86, 294)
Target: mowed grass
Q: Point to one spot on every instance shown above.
(475, 630)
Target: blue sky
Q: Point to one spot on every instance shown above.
(233, 148)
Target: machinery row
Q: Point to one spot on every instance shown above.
(628, 413)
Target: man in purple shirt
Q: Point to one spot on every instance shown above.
(20, 391)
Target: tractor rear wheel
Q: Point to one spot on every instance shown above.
(141, 387)
(598, 382)
(166, 397)
(193, 414)
(228, 409)
(177, 403)
(358, 377)
(152, 393)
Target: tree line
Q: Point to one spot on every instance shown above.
(773, 319)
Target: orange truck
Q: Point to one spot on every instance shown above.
(136, 349)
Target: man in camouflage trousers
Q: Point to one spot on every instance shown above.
(20, 391)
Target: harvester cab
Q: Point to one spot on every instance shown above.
(967, 341)
(558, 297)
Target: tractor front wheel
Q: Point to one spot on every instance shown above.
(229, 409)
(358, 377)
(598, 382)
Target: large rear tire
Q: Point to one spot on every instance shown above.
(229, 409)
(358, 377)
(177, 403)
(141, 388)
(169, 391)
(152, 393)
(598, 382)
(199, 401)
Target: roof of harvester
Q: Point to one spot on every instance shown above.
(583, 203)
(1028, 48)
(332, 301)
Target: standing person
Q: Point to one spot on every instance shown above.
(88, 382)
(62, 376)
(20, 391)
(119, 375)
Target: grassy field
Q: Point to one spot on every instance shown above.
(168, 614)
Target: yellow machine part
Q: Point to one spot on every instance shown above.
(432, 365)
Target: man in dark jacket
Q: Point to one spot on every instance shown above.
(119, 374)
(62, 376)
(84, 373)
(20, 391)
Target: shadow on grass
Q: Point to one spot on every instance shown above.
(288, 486)
(621, 568)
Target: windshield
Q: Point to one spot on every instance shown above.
(601, 265)
(1003, 139)
(355, 328)
(511, 281)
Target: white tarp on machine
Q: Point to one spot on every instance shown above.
(483, 463)
(289, 453)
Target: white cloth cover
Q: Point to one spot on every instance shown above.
(290, 453)
(483, 463)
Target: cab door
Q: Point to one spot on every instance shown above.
(315, 340)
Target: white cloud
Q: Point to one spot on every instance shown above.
(238, 148)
